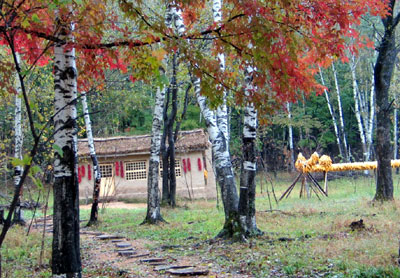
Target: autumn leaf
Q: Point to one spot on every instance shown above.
(159, 54)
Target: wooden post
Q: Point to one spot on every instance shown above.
(307, 187)
(326, 183)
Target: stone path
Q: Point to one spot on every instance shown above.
(124, 248)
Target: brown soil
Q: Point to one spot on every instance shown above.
(100, 257)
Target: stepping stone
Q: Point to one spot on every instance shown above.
(152, 260)
(188, 271)
(105, 237)
(156, 263)
(123, 245)
(126, 253)
(166, 267)
(117, 240)
(92, 233)
(123, 249)
(139, 255)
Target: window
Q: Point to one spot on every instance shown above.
(106, 170)
(178, 172)
(136, 170)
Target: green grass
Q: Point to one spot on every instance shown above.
(321, 240)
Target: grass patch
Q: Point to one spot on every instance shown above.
(303, 237)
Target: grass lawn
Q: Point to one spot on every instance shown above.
(303, 237)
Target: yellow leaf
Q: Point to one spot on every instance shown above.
(159, 54)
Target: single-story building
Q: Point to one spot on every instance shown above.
(124, 162)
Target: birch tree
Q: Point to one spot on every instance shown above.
(173, 20)
(153, 214)
(223, 168)
(96, 170)
(341, 118)
(333, 116)
(18, 141)
(66, 261)
(247, 204)
(222, 111)
(364, 108)
(290, 128)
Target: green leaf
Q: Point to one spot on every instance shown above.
(25, 23)
(16, 162)
(36, 181)
(27, 160)
(58, 149)
(36, 169)
(35, 18)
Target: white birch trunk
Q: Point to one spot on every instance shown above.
(371, 120)
(247, 208)
(290, 127)
(153, 199)
(335, 125)
(222, 111)
(357, 110)
(97, 175)
(66, 260)
(18, 141)
(223, 166)
(341, 118)
(395, 134)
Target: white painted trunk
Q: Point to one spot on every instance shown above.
(341, 118)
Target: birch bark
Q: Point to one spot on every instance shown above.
(290, 127)
(223, 169)
(66, 261)
(96, 170)
(222, 111)
(18, 136)
(357, 109)
(173, 20)
(247, 209)
(341, 118)
(334, 121)
(153, 214)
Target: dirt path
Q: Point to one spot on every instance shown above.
(110, 255)
(120, 205)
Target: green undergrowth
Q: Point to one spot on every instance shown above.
(21, 253)
(302, 237)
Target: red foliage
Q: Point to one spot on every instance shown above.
(199, 163)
